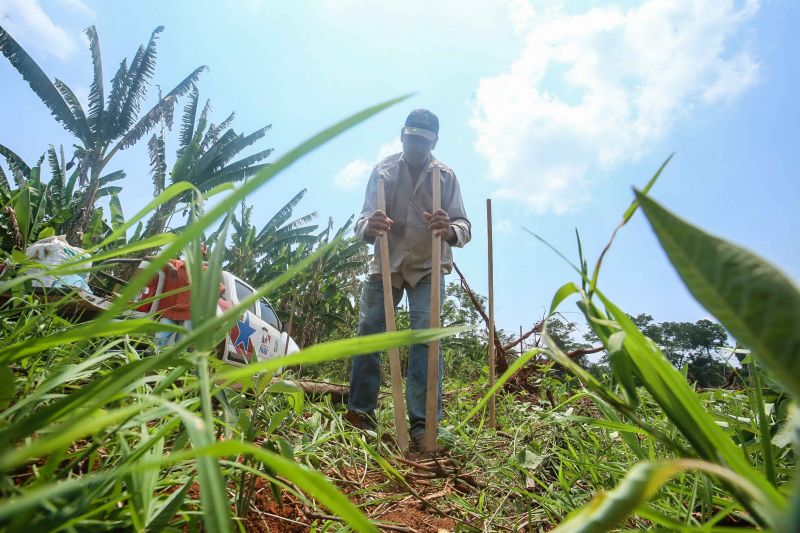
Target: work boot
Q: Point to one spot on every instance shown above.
(359, 420)
(418, 444)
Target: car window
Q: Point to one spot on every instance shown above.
(242, 292)
(268, 315)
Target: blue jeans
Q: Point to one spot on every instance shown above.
(365, 378)
(168, 338)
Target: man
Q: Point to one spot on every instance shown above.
(410, 223)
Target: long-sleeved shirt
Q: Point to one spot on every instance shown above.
(410, 238)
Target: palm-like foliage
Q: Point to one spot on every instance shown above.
(33, 209)
(111, 124)
(261, 256)
(325, 294)
(204, 158)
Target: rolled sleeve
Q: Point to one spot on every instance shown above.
(455, 210)
(463, 232)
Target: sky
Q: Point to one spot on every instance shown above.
(554, 110)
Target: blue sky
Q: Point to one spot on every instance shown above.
(553, 109)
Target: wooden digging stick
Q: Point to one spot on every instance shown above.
(432, 390)
(492, 416)
(388, 312)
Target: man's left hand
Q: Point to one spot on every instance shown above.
(439, 222)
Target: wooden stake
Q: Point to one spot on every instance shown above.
(432, 390)
(388, 312)
(492, 414)
(291, 319)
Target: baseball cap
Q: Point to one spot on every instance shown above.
(423, 123)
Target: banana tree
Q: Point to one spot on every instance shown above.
(262, 256)
(111, 124)
(325, 293)
(204, 158)
(34, 209)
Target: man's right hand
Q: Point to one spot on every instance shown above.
(378, 224)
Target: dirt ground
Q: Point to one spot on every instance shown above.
(413, 513)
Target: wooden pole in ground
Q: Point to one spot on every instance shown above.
(492, 413)
(432, 390)
(388, 313)
(289, 325)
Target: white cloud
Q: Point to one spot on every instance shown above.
(503, 226)
(79, 6)
(355, 174)
(442, 24)
(29, 25)
(521, 13)
(592, 90)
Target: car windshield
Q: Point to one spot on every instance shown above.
(242, 292)
(269, 316)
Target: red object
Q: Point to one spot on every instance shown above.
(176, 306)
(148, 292)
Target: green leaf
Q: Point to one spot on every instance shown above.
(750, 297)
(38, 80)
(625, 218)
(683, 407)
(108, 178)
(7, 386)
(169, 509)
(638, 486)
(329, 351)
(792, 518)
(163, 197)
(117, 216)
(635, 204)
(22, 209)
(622, 367)
(82, 332)
(213, 496)
(562, 293)
(108, 191)
(292, 391)
(205, 279)
(49, 231)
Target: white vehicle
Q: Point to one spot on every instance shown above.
(258, 332)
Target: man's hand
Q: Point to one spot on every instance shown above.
(378, 224)
(439, 222)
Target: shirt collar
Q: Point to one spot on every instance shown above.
(425, 168)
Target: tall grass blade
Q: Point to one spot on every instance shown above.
(750, 297)
(213, 495)
(169, 509)
(625, 218)
(682, 406)
(639, 485)
(512, 369)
